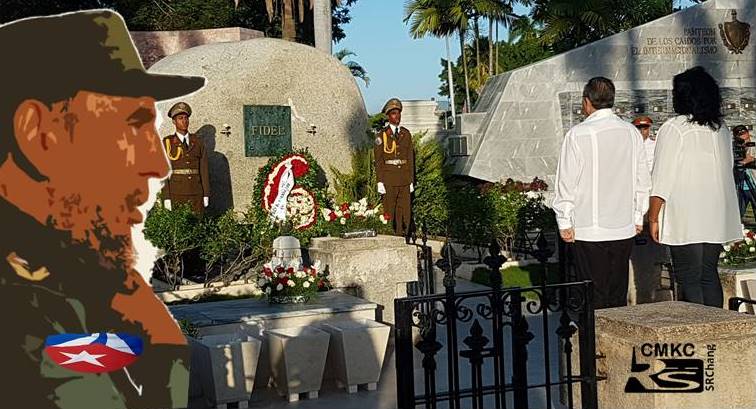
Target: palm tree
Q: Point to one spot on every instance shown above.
(503, 14)
(429, 17)
(358, 71)
(292, 12)
(462, 13)
(569, 24)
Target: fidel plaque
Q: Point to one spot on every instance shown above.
(267, 129)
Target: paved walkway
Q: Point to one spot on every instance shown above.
(385, 396)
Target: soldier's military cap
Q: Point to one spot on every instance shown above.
(642, 121)
(88, 50)
(180, 108)
(393, 103)
(739, 130)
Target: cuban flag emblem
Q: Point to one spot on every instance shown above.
(93, 353)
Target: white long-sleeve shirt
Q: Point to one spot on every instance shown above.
(602, 181)
(693, 174)
(650, 145)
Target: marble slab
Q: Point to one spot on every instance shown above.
(255, 310)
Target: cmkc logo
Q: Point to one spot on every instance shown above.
(681, 373)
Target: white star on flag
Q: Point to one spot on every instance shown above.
(83, 356)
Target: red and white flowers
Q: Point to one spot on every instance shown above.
(740, 252)
(283, 198)
(359, 210)
(292, 279)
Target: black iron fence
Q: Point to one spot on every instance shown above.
(473, 347)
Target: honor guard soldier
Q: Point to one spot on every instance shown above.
(395, 168)
(644, 123)
(189, 181)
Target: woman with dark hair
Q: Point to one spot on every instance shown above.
(694, 205)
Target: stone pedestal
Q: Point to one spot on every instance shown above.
(376, 268)
(711, 353)
(224, 367)
(356, 352)
(735, 283)
(297, 360)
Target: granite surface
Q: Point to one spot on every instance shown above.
(252, 310)
(320, 90)
(527, 111)
(376, 269)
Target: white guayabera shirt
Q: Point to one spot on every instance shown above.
(693, 174)
(602, 180)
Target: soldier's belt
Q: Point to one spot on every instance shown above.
(395, 162)
(185, 172)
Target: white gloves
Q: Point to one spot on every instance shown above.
(382, 188)
(167, 202)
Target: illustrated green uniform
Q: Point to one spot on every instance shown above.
(395, 168)
(189, 181)
(51, 285)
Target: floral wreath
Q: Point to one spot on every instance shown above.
(301, 203)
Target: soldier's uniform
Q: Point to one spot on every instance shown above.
(395, 169)
(189, 181)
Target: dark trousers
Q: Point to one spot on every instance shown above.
(397, 202)
(607, 264)
(696, 273)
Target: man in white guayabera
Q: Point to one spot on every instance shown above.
(602, 187)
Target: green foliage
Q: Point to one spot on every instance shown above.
(523, 277)
(230, 246)
(361, 182)
(152, 15)
(568, 24)
(176, 232)
(431, 193)
(376, 122)
(188, 328)
(470, 216)
(505, 215)
(357, 70)
(525, 49)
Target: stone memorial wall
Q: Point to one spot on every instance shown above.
(264, 96)
(519, 121)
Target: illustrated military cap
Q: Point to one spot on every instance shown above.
(52, 58)
(642, 121)
(180, 108)
(393, 103)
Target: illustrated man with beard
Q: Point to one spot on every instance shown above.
(78, 146)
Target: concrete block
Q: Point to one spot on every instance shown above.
(297, 360)
(734, 284)
(224, 366)
(353, 266)
(357, 351)
(708, 354)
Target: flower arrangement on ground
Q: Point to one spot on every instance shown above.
(360, 215)
(740, 252)
(292, 283)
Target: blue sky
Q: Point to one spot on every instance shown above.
(397, 65)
